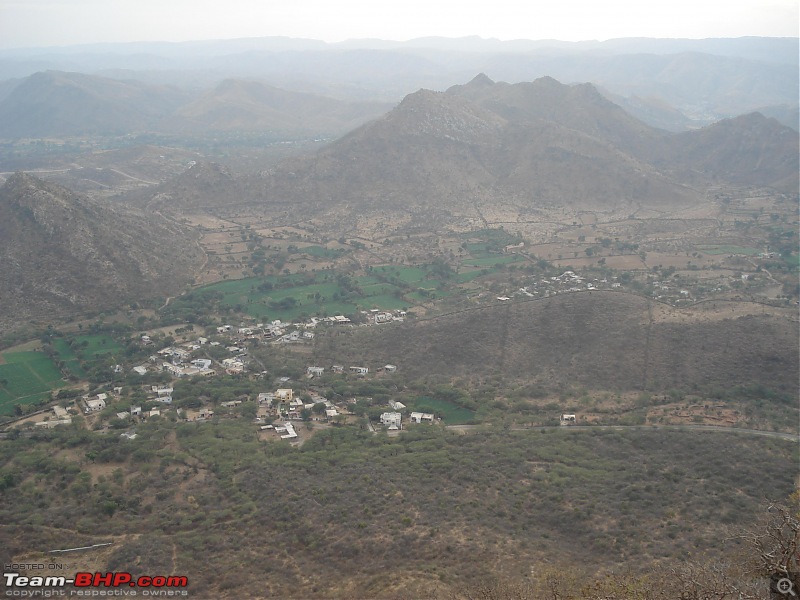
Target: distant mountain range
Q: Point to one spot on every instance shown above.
(705, 80)
(489, 146)
(57, 104)
(240, 105)
(478, 153)
(65, 254)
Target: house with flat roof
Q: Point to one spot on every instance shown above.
(94, 405)
(418, 417)
(392, 420)
(284, 394)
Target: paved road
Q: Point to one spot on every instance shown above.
(771, 434)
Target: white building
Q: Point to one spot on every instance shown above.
(94, 405)
(315, 371)
(290, 434)
(53, 422)
(392, 420)
(418, 417)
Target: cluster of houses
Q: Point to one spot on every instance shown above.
(568, 281)
(393, 421)
(379, 317)
(276, 331)
(280, 332)
(339, 369)
(177, 361)
(283, 403)
(61, 416)
(98, 402)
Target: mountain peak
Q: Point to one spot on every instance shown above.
(481, 80)
(24, 189)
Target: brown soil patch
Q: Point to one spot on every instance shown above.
(626, 261)
(26, 347)
(207, 221)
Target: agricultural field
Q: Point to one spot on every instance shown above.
(26, 378)
(450, 412)
(76, 351)
(728, 249)
(317, 290)
(292, 296)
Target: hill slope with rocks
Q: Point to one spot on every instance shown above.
(64, 253)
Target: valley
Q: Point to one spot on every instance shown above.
(498, 335)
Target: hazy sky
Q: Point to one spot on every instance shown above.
(25, 23)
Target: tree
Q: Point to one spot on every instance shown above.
(772, 546)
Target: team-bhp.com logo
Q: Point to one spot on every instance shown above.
(159, 585)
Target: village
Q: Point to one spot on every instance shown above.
(225, 350)
(276, 413)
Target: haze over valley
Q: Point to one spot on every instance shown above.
(442, 318)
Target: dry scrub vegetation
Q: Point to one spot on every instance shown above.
(437, 510)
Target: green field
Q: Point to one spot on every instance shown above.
(406, 274)
(82, 348)
(26, 378)
(294, 296)
(97, 345)
(715, 249)
(492, 260)
(321, 252)
(467, 276)
(451, 413)
(319, 294)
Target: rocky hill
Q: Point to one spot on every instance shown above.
(64, 253)
(489, 147)
(751, 150)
